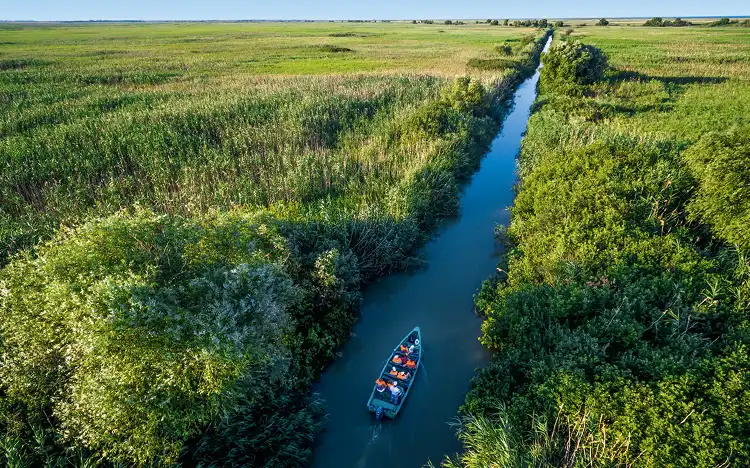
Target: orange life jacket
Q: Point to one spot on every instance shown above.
(404, 349)
(393, 372)
(402, 375)
(411, 364)
(380, 383)
(396, 359)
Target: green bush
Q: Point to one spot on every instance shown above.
(465, 95)
(573, 63)
(721, 164)
(134, 332)
(619, 324)
(504, 49)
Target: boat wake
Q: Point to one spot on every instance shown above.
(376, 432)
(424, 370)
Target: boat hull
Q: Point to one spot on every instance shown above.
(413, 342)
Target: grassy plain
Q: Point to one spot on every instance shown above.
(185, 116)
(226, 189)
(621, 326)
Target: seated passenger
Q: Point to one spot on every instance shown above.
(404, 349)
(411, 364)
(380, 385)
(404, 375)
(398, 359)
(393, 371)
(395, 392)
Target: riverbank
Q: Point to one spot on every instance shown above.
(619, 321)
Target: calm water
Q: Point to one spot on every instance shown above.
(438, 299)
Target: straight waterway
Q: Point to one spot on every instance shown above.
(439, 299)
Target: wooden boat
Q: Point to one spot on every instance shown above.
(380, 401)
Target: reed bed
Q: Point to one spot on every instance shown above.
(183, 118)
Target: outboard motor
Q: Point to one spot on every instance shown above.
(379, 413)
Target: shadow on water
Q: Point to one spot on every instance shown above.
(439, 299)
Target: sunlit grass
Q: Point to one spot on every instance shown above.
(187, 117)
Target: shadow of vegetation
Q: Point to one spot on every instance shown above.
(629, 75)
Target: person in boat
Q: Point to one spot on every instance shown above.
(393, 371)
(404, 349)
(411, 364)
(399, 360)
(404, 375)
(380, 385)
(395, 392)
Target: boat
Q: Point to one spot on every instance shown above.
(380, 400)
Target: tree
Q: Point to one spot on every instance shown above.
(559, 24)
(505, 22)
(448, 22)
(603, 22)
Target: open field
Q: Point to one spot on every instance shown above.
(176, 52)
(225, 190)
(186, 116)
(181, 117)
(621, 325)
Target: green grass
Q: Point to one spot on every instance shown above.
(620, 318)
(704, 75)
(191, 50)
(182, 117)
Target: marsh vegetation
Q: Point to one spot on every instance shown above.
(620, 318)
(187, 221)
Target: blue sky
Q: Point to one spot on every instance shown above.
(50, 10)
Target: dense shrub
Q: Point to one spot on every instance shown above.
(661, 22)
(620, 323)
(133, 352)
(721, 164)
(572, 64)
(504, 49)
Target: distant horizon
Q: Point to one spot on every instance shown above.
(296, 20)
(342, 10)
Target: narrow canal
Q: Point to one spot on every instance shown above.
(439, 299)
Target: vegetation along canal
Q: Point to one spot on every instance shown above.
(439, 299)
